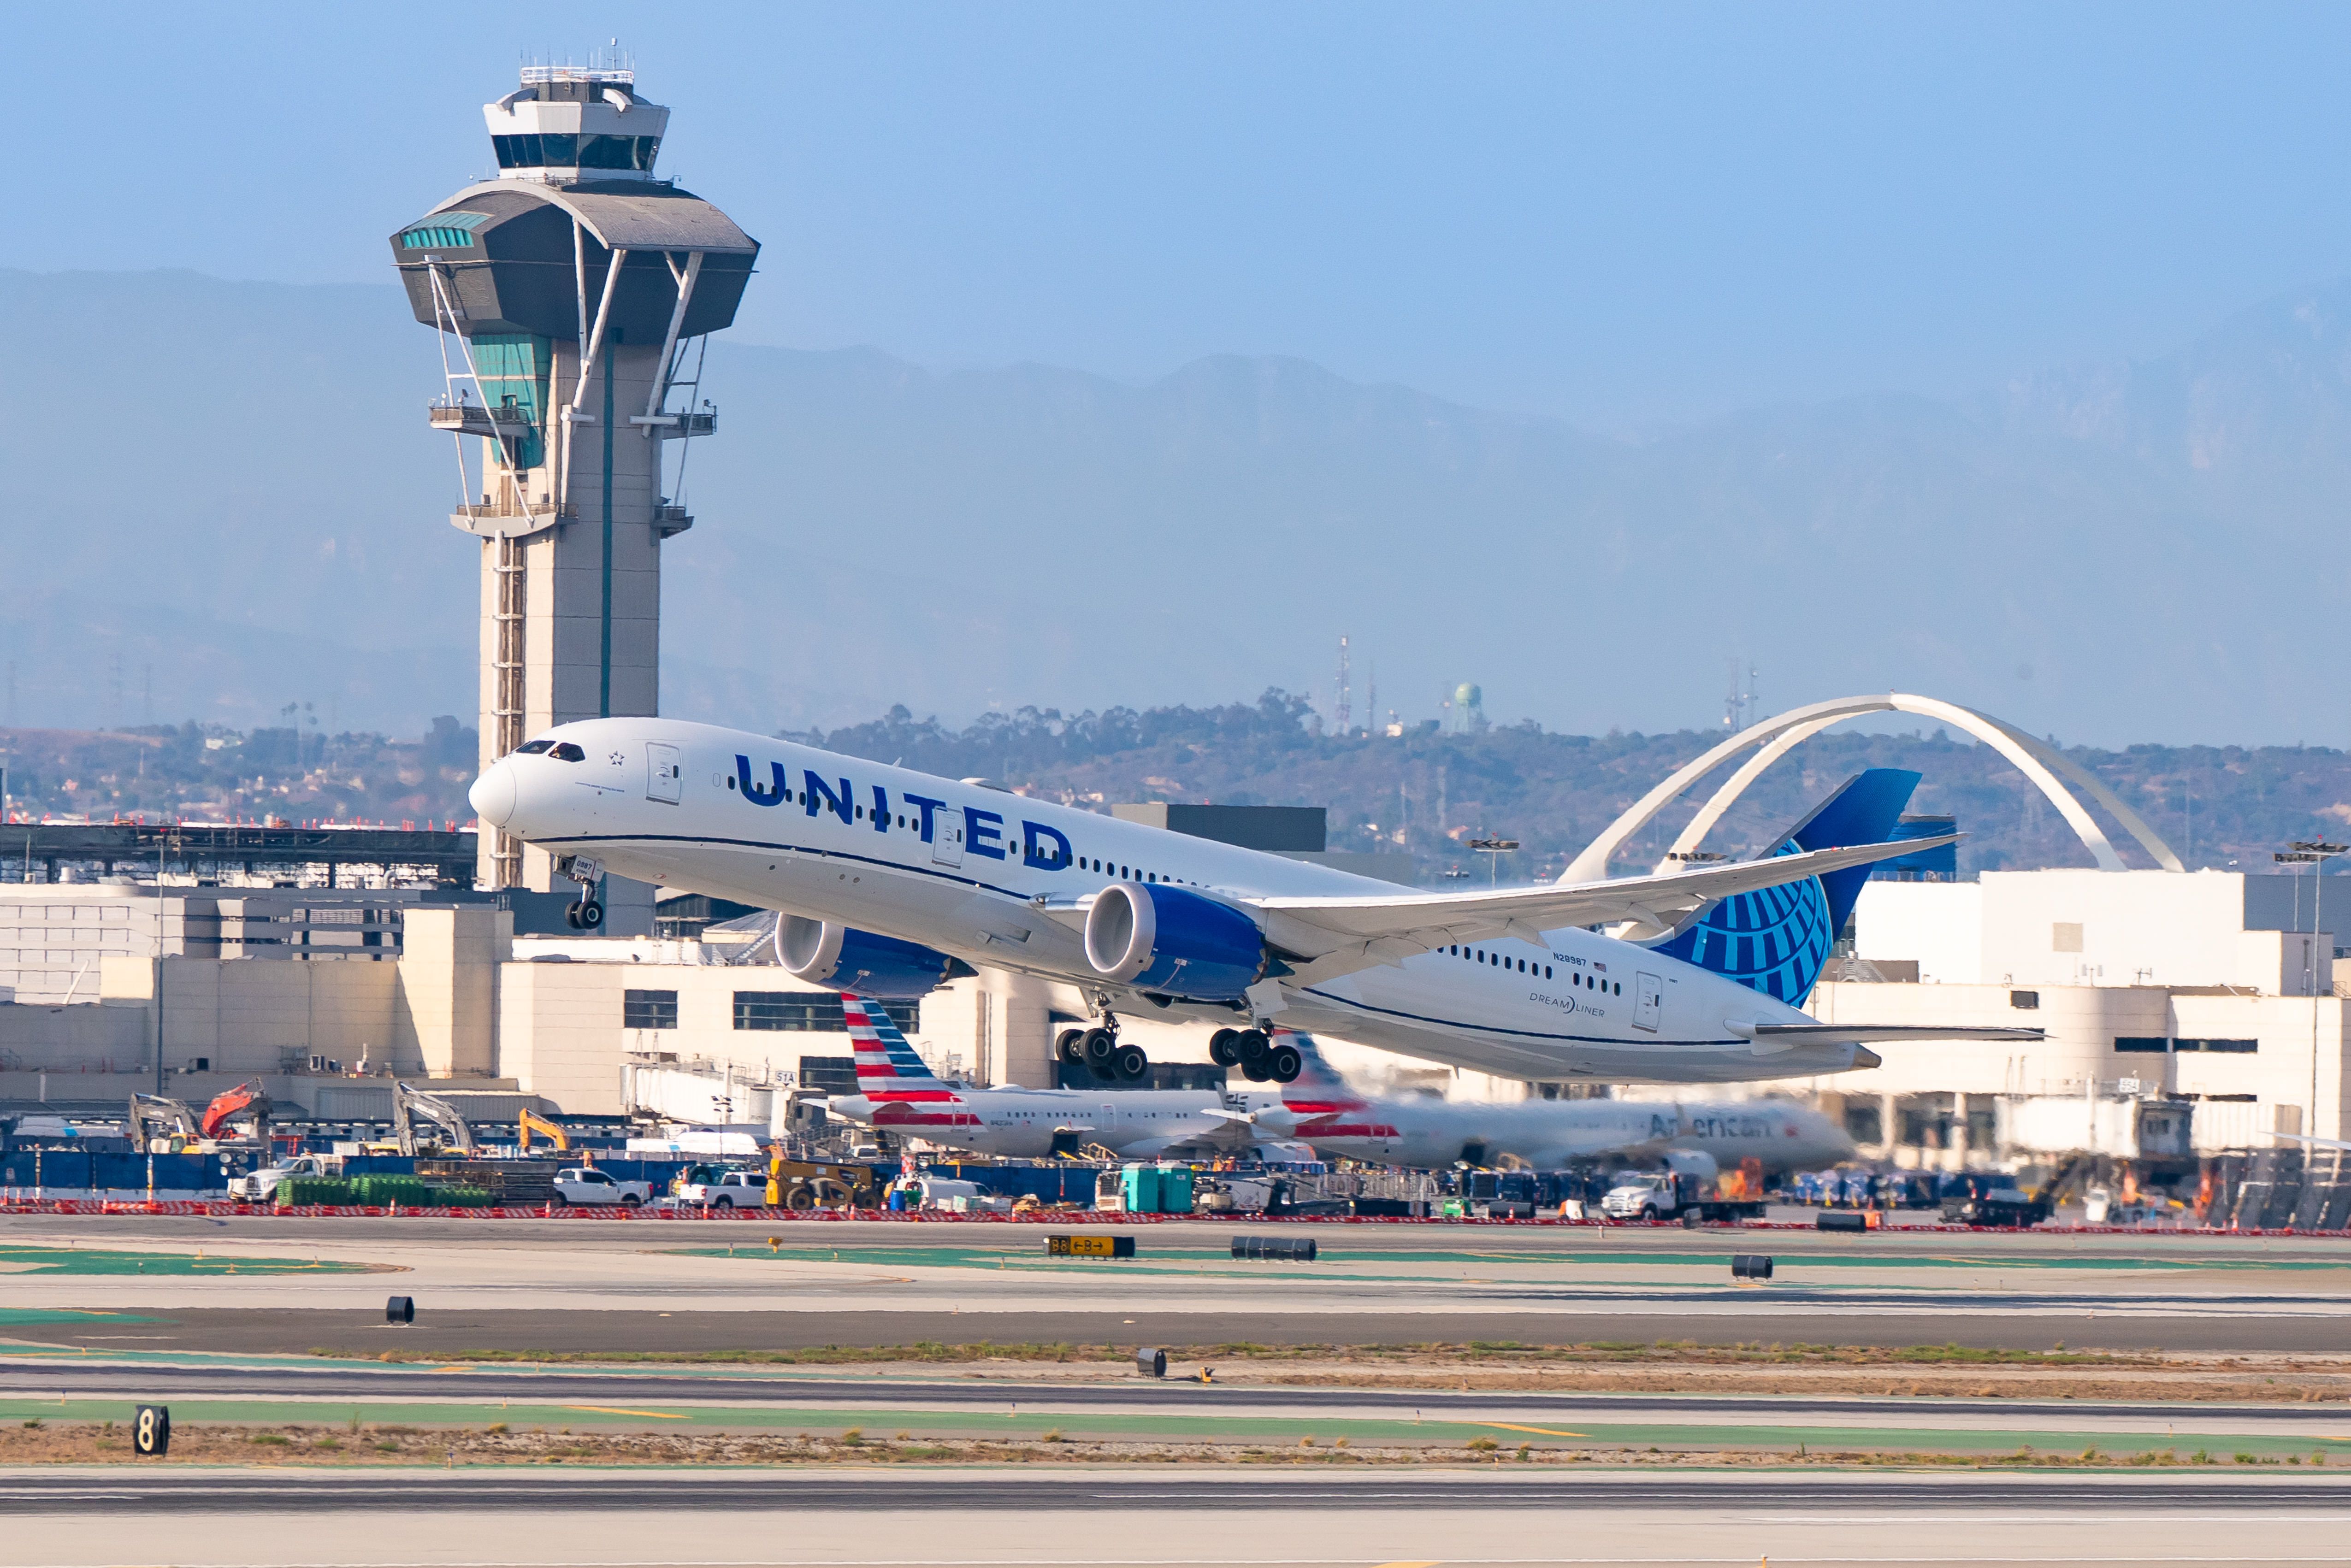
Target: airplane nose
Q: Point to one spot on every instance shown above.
(493, 795)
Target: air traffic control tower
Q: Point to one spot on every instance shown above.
(574, 293)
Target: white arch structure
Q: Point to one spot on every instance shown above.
(1776, 736)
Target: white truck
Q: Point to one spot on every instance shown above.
(1668, 1195)
(261, 1186)
(727, 1189)
(587, 1186)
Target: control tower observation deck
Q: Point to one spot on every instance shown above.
(574, 293)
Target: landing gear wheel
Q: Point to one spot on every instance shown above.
(1220, 1048)
(1130, 1063)
(571, 916)
(1282, 1064)
(1100, 1045)
(1255, 1071)
(591, 916)
(1070, 1047)
(1251, 1046)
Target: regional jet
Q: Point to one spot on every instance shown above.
(892, 882)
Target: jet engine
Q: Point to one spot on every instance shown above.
(1174, 941)
(1694, 1163)
(862, 961)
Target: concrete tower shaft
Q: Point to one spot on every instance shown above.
(572, 293)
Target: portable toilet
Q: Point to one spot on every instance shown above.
(1174, 1189)
(1141, 1185)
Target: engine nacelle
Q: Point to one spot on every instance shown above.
(864, 962)
(1694, 1163)
(1174, 941)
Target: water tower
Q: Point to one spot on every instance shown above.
(574, 293)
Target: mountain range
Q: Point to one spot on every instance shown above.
(222, 499)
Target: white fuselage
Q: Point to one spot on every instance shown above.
(973, 871)
(1025, 1124)
(1548, 1133)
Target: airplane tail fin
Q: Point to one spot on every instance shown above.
(885, 1060)
(1317, 1089)
(1776, 940)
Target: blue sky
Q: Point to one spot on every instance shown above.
(1626, 214)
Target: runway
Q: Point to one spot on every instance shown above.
(592, 1286)
(89, 1490)
(716, 1392)
(1164, 1518)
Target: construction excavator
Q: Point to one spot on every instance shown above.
(409, 1104)
(246, 1102)
(530, 1120)
(158, 1118)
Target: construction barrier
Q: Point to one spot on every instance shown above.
(221, 1208)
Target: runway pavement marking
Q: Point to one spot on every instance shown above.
(615, 1410)
(1545, 1431)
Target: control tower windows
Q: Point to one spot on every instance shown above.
(568, 150)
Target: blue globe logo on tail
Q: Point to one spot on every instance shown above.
(1776, 940)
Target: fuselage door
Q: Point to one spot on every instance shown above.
(946, 839)
(1648, 1001)
(664, 775)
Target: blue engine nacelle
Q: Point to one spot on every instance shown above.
(1174, 942)
(846, 959)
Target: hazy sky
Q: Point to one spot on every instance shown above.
(1622, 214)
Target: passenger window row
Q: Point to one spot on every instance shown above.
(1530, 966)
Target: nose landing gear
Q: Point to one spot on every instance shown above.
(586, 915)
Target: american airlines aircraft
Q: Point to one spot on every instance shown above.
(1321, 1110)
(897, 1093)
(892, 882)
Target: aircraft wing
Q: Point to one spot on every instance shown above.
(1336, 936)
(1770, 1039)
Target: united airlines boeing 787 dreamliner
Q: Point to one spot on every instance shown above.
(892, 882)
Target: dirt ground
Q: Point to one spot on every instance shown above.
(43, 1443)
(1660, 1368)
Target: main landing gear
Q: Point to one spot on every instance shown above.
(1099, 1052)
(1261, 1060)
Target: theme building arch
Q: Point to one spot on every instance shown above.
(1776, 736)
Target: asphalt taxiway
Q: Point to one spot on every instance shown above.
(1164, 1519)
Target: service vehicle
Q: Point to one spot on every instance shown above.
(723, 1189)
(586, 1185)
(1674, 1195)
(261, 1186)
(2001, 1207)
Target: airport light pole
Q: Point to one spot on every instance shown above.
(1496, 848)
(2315, 853)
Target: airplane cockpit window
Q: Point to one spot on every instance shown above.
(533, 748)
(567, 751)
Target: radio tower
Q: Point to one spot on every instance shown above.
(1346, 692)
(574, 293)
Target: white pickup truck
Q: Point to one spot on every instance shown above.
(261, 1186)
(730, 1190)
(586, 1186)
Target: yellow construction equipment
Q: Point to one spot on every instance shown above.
(531, 1121)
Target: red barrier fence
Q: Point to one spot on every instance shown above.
(223, 1208)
